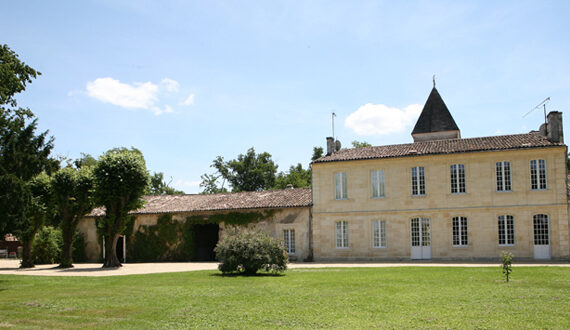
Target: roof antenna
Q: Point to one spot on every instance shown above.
(333, 115)
(543, 104)
(433, 81)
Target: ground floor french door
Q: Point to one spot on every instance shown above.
(541, 236)
(421, 238)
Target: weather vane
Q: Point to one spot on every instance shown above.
(433, 81)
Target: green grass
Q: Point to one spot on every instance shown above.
(537, 297)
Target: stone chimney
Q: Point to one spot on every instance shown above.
(554, 131)
(330, 145)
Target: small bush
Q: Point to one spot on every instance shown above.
(47, 246)
(507, 260)
(248, 251)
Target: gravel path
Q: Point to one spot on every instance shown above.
(11, 267)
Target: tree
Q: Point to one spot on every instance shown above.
(157, 186)
(317, 153)
(14, 74)
(23, 153)
(120, 179)
(72, 190)
(33, 217)
(209, 184)
(85, 160)
(249, 172)
(359, 144)
(297, 176)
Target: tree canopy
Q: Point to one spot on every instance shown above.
(14, 75)
(157, 186)
(360, 144)
(248, 172)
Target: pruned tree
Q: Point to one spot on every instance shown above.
(33, 216)
(72, 189)
(120, 179)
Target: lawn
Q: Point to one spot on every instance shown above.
(537, 297)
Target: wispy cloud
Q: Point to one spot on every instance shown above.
(170, 85)
(189, 100)
(146, 96)
(380, 119)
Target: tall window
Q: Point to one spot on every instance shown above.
(460, 231)
(378, 183)
(457, 178)
(506, 230)
(289, 239)
(342, 235)
(540, 222)
(503, 170)
(537, 174)
(340, 186)
(418, 181)
(379, 234)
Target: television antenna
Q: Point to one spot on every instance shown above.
(333, 115)
(541, 104)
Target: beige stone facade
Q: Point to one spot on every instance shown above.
(481, 204)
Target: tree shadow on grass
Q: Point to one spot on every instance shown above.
(248, 275)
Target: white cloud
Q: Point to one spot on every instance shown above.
(147, 96)
(135, 96)
(187, 184)
(170, 85)
(380, 119)
(189, 100)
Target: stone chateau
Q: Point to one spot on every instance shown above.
(441, 197)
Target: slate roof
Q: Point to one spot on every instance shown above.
(490, 143)
(298, 197)
(435, 116)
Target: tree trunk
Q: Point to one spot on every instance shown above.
(67, 250)
(111, 259)
(27, 258)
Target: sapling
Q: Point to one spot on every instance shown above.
(507, 259)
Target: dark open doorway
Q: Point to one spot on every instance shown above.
(119, 248)
(205, 240)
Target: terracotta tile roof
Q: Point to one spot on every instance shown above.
(490, 143)
(298, 197)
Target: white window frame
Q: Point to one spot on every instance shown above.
(378, 184)
(340, 186)
(503, 174)
(341, 231)
(460, 232)
(379, 234)
(457, 173)
(418, 181)
(506, 225)
(289, 240)
(538, 179)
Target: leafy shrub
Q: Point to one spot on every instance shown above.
(47, 246)
(507, 260)
(247, 251)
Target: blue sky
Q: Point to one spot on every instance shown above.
(187, 81)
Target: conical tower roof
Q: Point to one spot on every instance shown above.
(435, 116)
